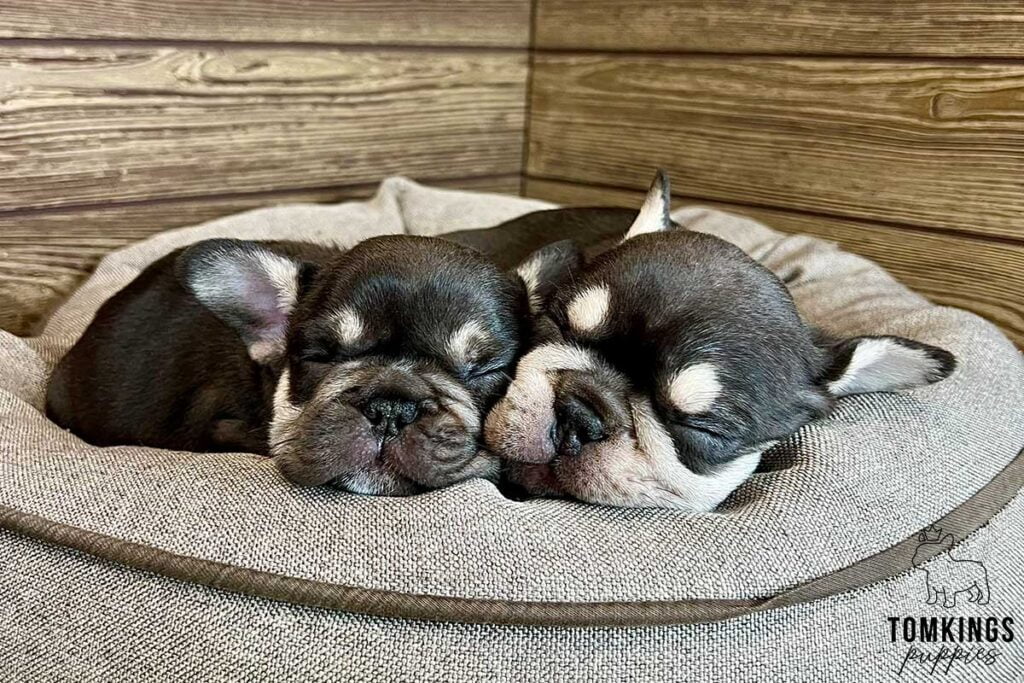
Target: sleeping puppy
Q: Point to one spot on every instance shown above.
(369, 369)
(671, 362)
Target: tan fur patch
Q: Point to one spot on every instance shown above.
(461, 346)
(695, 388)
(348, 325)
(588, 309)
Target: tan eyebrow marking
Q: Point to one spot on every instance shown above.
(463, 345)
(348, 325)
(694, 389)
(588, 309)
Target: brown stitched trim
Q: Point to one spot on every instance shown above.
(961, 521)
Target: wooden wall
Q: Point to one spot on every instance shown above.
(123, 118)
(894, 128)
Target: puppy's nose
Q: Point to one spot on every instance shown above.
(390, 414)
(577, 424)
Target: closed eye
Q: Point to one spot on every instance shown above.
(485, 371)
(698, 424)
(315, 357)
(323, 356)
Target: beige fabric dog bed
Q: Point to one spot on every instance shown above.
(132, 563)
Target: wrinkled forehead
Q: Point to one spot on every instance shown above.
(408, 255)
(416, 276)
(652, 307)
(415, 295)
(649, 346)
(675, 277)
(666, 304)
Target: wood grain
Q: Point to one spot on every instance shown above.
(926, 144)
(980, 275)
(86, 124)
(45, 255)
(852, 27)
(359, 22)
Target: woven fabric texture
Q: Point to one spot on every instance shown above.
(844, 488)
(70, 617)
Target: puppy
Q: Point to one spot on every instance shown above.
(670, 363)
(369, 369)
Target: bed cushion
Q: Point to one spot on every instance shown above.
(836, 507)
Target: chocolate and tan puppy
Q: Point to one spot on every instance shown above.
(370, 369)
(670, 363)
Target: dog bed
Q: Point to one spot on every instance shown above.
(131, 563)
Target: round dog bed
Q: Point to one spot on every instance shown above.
(128, 563)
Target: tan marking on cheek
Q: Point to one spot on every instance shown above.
(652, 439)
(589, 309)
(679, 486)
(695, 389)
(645, 471)
(611, 472)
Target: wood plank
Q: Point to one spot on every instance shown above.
(980, 275)
(929, 144)
(45, 255)
(87, 124)
(358, 22)
(852, 27)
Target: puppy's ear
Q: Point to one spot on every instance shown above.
(248, 286)
(548, 268)
(654, 214)
(865, 364)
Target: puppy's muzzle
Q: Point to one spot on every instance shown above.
(380, 428)
(390, 415)
(562, 399)
(576, 424)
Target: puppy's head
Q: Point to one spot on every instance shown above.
(670, 363)
(387, 357)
